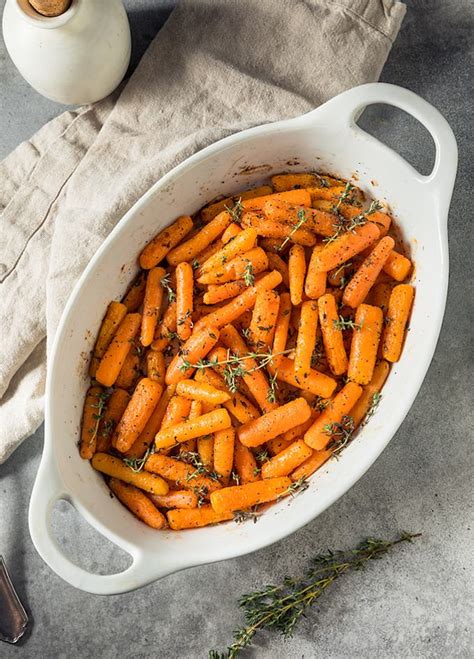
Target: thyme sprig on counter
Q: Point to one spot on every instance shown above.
(281, 606)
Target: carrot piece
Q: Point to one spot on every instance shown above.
(318, 221)
(130, 370)
(239, 406)
(134, 296)
(277, 445)
(346, 246)
(152, 304)
(245, 463)
(310, 465)
(246, 300)
(91, 417)
(114, 357)
(399, 307)
(202, 239)
(332, 334)
(332, 193)
(155, 366)
(367, 400)
(318, 436)
(272, 229)
(142, 403)
(270, 245)
(315, 382)
(281, 328)
(201, 391)
(272, 424)
(224, 441)
(382, 220)
(241, 497)
(147, 437)
(205, 448)
(315, 284)
(116, 404)
(306, 340)
(380, 295)
(203, 425)
(296, 273)
(299, 430)
(275, 262)
(112, 466)
(209, 212)
(287, 460)
(156, 250)
(138, 503)
(231, 232)
(176, 412)
(196, 347)
(253, 376)
(195, 410)
(219, 293)
(357, 289)
(301, 197)
(365, 341)
(264, 317)
(193, 519)
(206, 253)
(116, 312)
(397, 266)
(183, 499)
(242, 243)
(185, 475)
(184, 300)
(244, 266)
(283, 182)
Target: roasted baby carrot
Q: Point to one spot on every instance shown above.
(283, 182)
(275, 262)
(399, 307)
(357, 289)
(245, 464)
(116, 404)
(176, 412)
(318, 221)
(397, 266)
(91, 416)
(138, 503)
(273, 423)
(209, 212)
(281, 329)
(203, 425)
(332, 334)
(191, 248)
(119, 347)
(196, 347)
(239, 245)
(320, 433)
(142, 403)
(224, 441)
(365, 342)
(344, 247)
(146, 438)
(205, 449)
(195, 410)
(241, 497)
(133, 298)
(166, 328)
(112, 466)
(301, 197)
(380, 295)
(219, 293)
(156, 250)
(155, 366)
(315, 284)
(310, 465)
(193, 519)
(201, 391)
(264, 317)
(231, 232)
(152, 304)
(315, 382)
(370, 394)
(116, 312)
(175, 499)
(287, 460)
(306, 339)
(249, 264)
(130, 370)
(185, 475)
(272, 229)
(184, 300)
(296, 273)
(277, 445)
(239, 406)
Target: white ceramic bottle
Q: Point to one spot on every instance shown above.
(75, 58)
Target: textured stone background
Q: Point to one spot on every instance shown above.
(414, 603)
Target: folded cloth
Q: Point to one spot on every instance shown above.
(214, 68)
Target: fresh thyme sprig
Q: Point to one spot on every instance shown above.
(298, 486)
(346, 193)
(236, 211)
(248, 276)
(346, 323)
(137, 464)
(373, 406)
(273, 386)
(200, 469)
(281, 606)
(243, 515)
(343, 224)
(302, 219)
(102, 398)
(166, 283)
(340, 433)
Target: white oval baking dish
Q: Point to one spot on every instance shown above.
(326, 139)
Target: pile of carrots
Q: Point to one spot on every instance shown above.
(253, 343)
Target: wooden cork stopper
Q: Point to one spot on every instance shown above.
(50, 7)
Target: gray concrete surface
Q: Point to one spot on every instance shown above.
(415, 603)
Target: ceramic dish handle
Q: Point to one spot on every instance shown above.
(48, 489)
(346, 108)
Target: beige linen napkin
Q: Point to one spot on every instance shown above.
(217, 66)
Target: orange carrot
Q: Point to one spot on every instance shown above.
(241, 497)
(365, 341)
(142, 403)
(201, 391)
(119, 347)
(287, 460)
(185, 475)
(207, 252)
(277, 445)
(272, 424)
(367, 400)
(156, 250)
(116, 468)
(306, 339)
(116, 404)
(380, 296)
(357, 289)
(130, 370)
(239, 245)
(177, 412)
(232, 231)
(281, 328)
(398, 313)
(315, 220)
(183, 499)
(189, 249)
(91, 416)
(224, 441)
(165, 329)
(193, 519)
(138, 503)
(299, 430)
(283, 182)
(251, 263)
(346, 246)
(315, 284)
(275, 262)
(245, 464)
(316, 383)
(273, 229)
(301, 197)
(184, 300)
(219, 293)
(206, 424)
(332, 334)
(296, 272)
(205, 448)
(271, 245)
(264, 317)
(310, 465)
(196, 347)
(116, 312)
(319, 435)
(147, 436)
(152, 304)
(208, 213)
(239, 406)
(134, 296)
(155, 366)
(397, 266)
(382, 220)
(195, 410)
